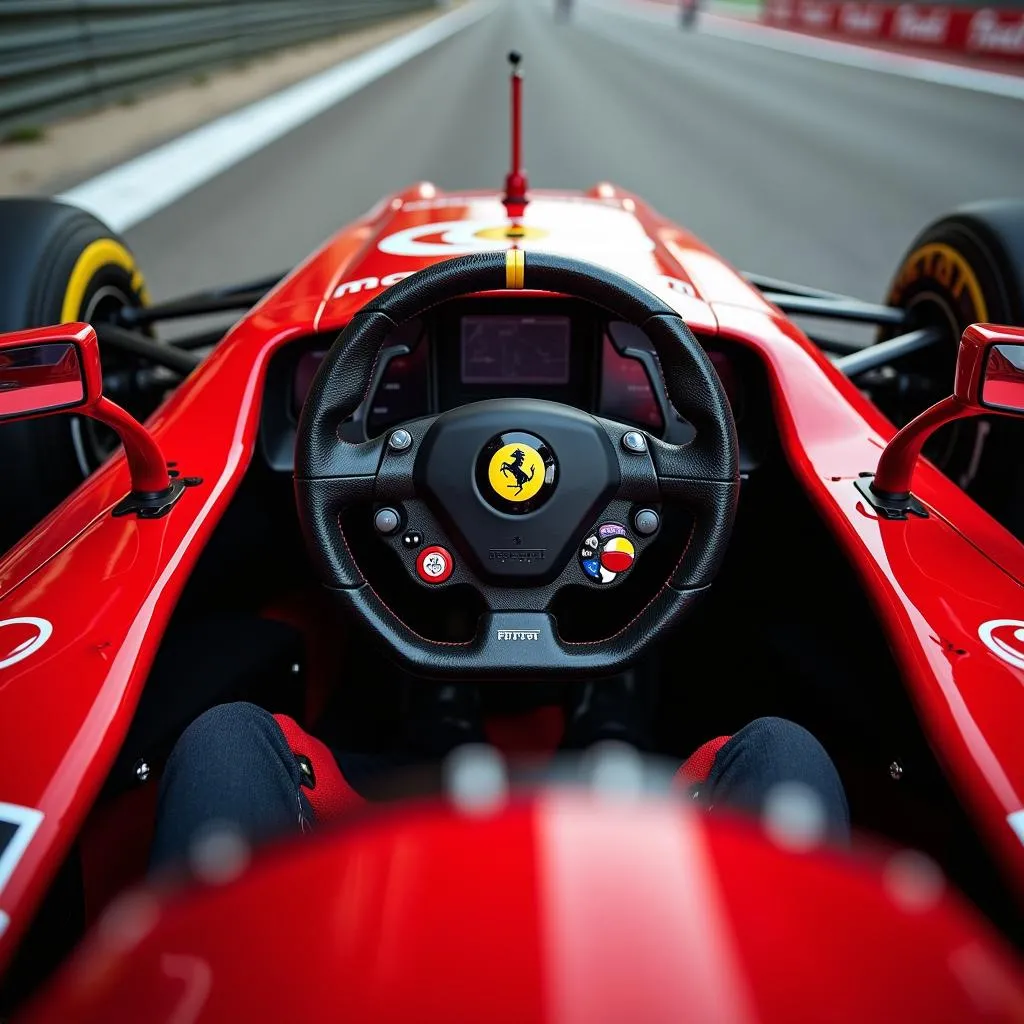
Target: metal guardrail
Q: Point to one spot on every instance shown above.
(63, 56)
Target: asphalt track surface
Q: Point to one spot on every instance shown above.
(786, 165)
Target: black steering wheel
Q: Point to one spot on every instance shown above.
(517, 498)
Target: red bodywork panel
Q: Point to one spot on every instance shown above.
(565, 908)
(107, 586)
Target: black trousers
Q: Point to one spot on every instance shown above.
(232, 768)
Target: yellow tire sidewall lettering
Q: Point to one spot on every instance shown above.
(516, 472)
(948, 268)
(94, 257)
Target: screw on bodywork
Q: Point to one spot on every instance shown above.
(142, 769)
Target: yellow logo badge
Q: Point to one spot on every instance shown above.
(516, 472)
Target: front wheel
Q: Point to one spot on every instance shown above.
(58, 264)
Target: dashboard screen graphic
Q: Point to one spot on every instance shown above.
(515, 349)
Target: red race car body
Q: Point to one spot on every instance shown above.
(86, 597)
(558, 909)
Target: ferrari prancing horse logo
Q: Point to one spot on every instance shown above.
(514, 469)
(516, 472)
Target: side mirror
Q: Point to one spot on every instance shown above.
(49, 370)
(53, 370)
(989, 379)
(1002, 381)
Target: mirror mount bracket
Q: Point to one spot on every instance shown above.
(896, 465)
(152, 486)
(889, 507)
(152, 505)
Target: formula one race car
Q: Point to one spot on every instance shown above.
(500, 447)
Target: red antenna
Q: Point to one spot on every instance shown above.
(516, 184)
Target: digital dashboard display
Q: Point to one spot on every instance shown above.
(515, 349)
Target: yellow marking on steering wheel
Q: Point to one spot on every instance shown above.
(515, 268)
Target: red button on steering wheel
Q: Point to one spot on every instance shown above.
(434, 564)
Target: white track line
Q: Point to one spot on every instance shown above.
(128, 194)
(833, 51)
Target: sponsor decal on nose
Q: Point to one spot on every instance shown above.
(1005, 639)
(20, 638)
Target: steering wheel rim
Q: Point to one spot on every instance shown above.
(332, 474)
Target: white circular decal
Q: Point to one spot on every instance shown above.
(605, 235)
(447, 238)
(1005, 639)
(28, 639)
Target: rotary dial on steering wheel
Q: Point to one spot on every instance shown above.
(516, 498)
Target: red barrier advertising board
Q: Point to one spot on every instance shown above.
(985, 32)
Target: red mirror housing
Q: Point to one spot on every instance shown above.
(40, 378)
(986, 349)
(51, 370)
(48, 370)
(989, 378)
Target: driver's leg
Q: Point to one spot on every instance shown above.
(232, 768)
(769, 759)
(237, 767)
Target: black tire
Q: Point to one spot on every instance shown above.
(966, 268)
(57, 264)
